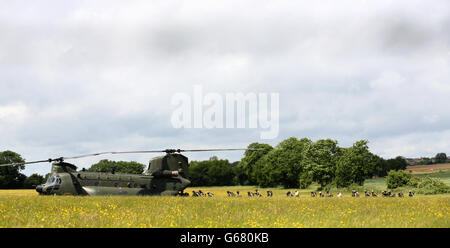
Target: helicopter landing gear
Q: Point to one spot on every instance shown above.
(181, 193)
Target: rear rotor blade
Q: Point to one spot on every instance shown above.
(220, 149)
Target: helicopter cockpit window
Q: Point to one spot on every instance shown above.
(51, 180)
(54, 179)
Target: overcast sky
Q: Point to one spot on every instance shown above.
(90, 76)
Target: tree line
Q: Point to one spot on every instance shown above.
(440, 158)
(293, 163)
(296, 163)
(10, 176)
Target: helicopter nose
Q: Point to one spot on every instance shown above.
(39, 189)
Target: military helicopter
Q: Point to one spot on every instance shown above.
(166, 175)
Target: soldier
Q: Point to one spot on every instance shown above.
(313, 194)
(257, 193)
(232, 194)
(181, 193)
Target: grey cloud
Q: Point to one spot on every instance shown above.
(99, 75)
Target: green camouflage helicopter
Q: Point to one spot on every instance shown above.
(166, 175)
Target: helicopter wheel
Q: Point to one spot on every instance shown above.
(181, 193)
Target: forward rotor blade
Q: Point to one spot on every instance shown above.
(24, 163)
(129, 152)
(103, 153)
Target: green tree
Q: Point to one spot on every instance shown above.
(239, 176)
(266, 171)
(284, 165)
(397, 179)
(248, 162)
(381, 167)
(220, 172)
(425, 161)
(212, 172)
(355, 165)
(398, 163)
(33, 180)
(117, 166)
(440, 158)
(430, 185)
(198, 173)
(10, 176)
(320, 160)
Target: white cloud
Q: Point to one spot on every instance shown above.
(82, 77)
(14, 112)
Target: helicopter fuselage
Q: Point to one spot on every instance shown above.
(166, 176)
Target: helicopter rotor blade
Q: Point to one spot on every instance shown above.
(60, 159)
(32, 162)
(221, 149)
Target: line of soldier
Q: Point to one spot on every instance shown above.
(385, 193)
(250, 193)
(297, 194)
(328, 194)
(200, 193)
(366, 193)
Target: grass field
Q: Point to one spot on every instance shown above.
(24, 208)
(443, 175)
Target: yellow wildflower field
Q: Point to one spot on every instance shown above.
(25, 208)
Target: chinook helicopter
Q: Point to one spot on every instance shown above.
(166, 175)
